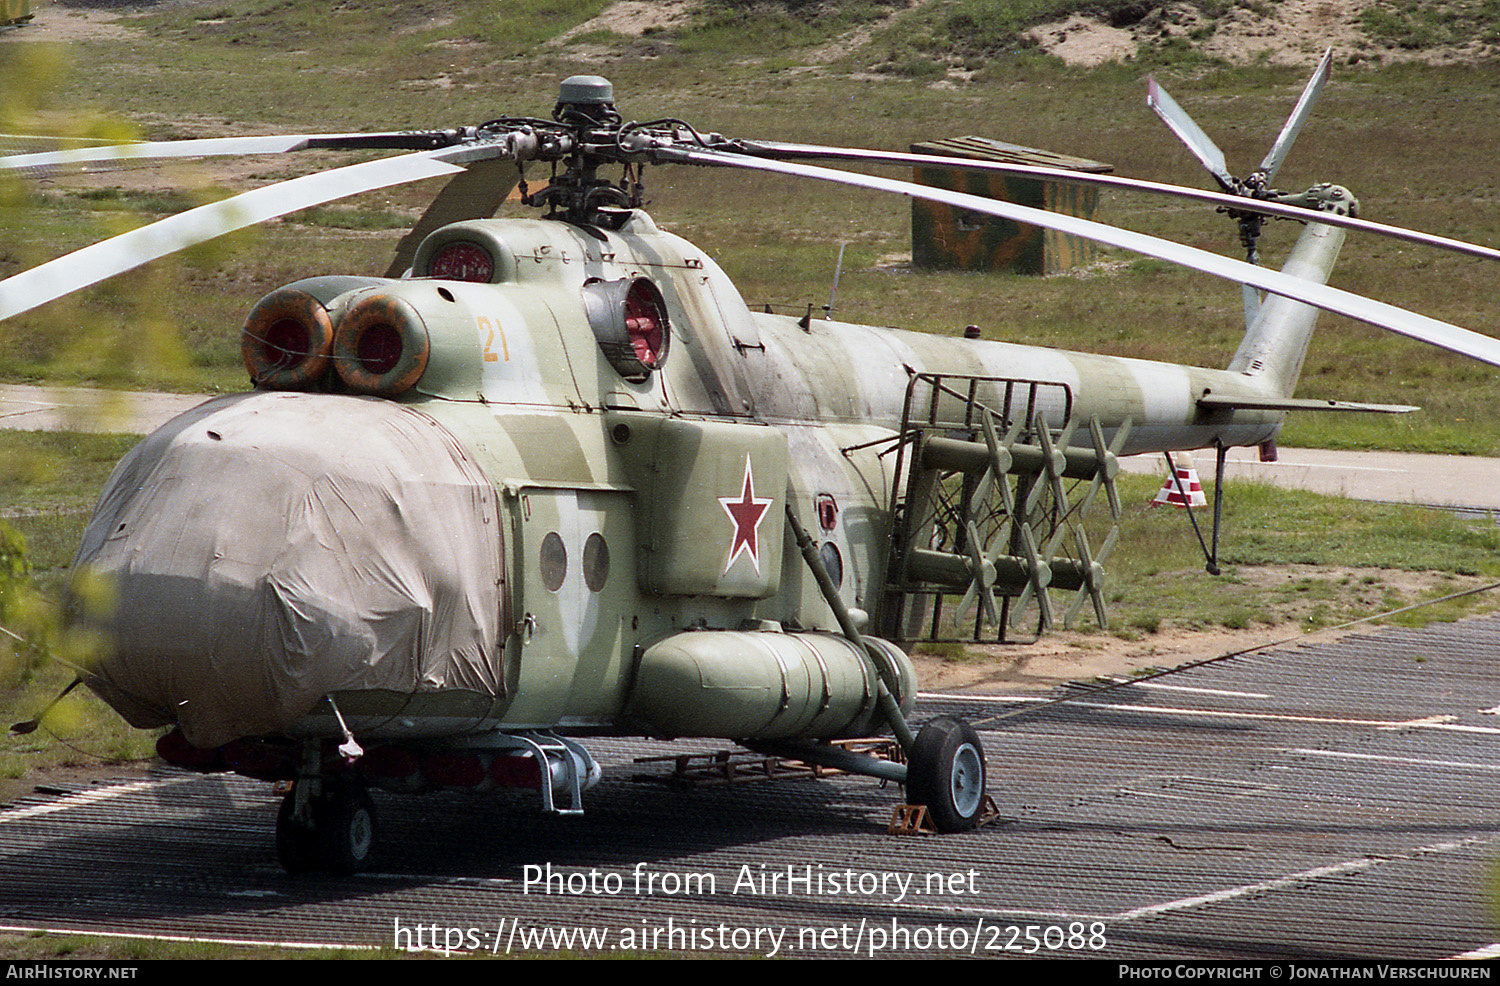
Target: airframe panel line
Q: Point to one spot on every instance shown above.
(1295, 879)
(83, 798)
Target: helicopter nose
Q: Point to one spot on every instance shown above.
(267, 549)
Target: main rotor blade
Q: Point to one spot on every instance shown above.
(477, 193)
(1272, 161)
(1421, 327)
(1175, 117)
(775, 150)
(105, 259)
(228, 147)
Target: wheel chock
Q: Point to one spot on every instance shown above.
(910, 820)
(988, 812)
(914, 820)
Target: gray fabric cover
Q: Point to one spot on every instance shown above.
(266, 549)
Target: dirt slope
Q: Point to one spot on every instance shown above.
(1289, 32)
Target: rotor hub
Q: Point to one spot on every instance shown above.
(586, 99)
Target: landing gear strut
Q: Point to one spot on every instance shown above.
(326, 824)
(945, 762)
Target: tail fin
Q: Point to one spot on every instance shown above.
(1276, 340)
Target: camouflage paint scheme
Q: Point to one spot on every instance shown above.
(630, 511)
(947, 238)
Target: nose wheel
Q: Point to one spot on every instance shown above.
(945, 772)
(333, 830)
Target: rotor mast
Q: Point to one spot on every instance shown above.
(586, 103)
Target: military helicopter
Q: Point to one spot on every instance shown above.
(551, 478)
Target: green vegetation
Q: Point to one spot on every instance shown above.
(48, 485)
(1415, 24)
(88, 947)
(971, 35)
(370, 31)
(1414, 142)
(732, 27)
(1285, 556)
(1289, 560)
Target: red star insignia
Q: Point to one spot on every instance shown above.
(746, 511)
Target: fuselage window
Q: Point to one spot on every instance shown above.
(554, 561)
(595, 562)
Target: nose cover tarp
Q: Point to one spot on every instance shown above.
(267, 549)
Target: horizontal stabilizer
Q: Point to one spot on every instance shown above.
(1300, 404)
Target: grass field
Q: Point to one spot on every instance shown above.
(1417, 144)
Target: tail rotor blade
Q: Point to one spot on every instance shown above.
(1272, 162)
(1177, 119)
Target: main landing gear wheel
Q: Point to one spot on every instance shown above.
(347, 829)
(946, 773)
(338, 836)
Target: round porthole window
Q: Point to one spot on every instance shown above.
(554, 561)
(833, 562)
(595, 562)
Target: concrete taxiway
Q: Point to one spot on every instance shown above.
(1461, 482)
(32, 408)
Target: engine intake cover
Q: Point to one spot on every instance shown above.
(629, 319)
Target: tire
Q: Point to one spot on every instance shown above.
(346, 829)
(296, 844)
(946, 772)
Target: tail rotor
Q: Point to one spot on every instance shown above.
(1255, 185)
